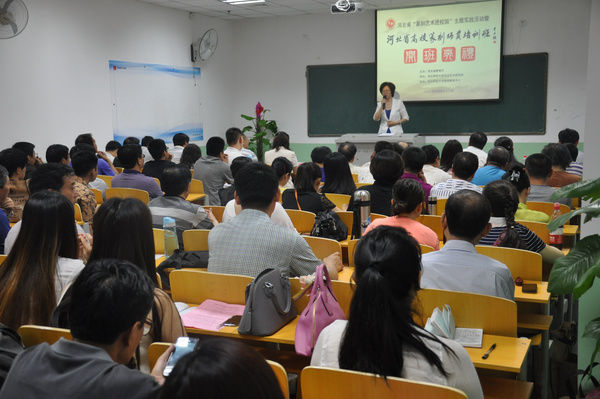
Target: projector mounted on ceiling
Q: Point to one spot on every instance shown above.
(345, 7)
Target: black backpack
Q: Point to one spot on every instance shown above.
(10, 347)
(329, 225)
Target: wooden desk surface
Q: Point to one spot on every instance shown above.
(570, 229)
(542, 296)
(508, 355)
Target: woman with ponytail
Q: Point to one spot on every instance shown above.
(518, 178)
(380, 336)
(408, 197)
(505, 232)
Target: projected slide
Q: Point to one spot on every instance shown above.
(441, 53)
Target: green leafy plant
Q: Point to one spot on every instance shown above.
(576, 272)
(263, 130)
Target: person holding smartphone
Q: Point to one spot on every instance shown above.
(390, 111)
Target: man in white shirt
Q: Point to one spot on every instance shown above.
(464, 167)
(477, 141)
(348, 150)
(364, 174)
(431, 169)
(180, 141)
(235, 143)
(245, 150)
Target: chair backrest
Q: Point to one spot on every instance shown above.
(217, 211)
(33, 335)
(351, 249)
(78, 216)
(119, 170)
(323, 247)
(282, 377)
(98, 195)
(2, 258)
(338, 199)
(425, 249)
(159, 241)
(157, 181)
(496, 316)
(328, 383)
(128, 193)
(197, 187)
(355, 177)
(195, 240)
(155, 350)
(441, 206)
(521, 263)
(547, 208)
(359, 185)
(377, 216)
(195, 286)
(540, 229)
(434, 222)
(107, 180)
(303, 221)
(348, 219)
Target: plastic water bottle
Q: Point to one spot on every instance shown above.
(556, 236)
(171, 242)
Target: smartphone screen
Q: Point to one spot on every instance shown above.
(183, 346)
(233, 321)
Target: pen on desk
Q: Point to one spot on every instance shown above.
(486, 354)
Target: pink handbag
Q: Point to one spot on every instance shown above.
(322, 310)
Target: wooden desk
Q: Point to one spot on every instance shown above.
(541, 297)
(570, 229)
(508, 355)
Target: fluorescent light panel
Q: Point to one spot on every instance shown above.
(239, 2)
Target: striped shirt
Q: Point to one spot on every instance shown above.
(531, 240)
(449, 187)
(575, 168)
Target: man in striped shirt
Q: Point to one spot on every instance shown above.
(464, 166)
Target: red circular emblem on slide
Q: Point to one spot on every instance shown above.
(390, 23)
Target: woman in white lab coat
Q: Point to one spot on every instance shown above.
(390, 111)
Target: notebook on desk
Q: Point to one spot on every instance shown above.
(441, 323)
(210, 315)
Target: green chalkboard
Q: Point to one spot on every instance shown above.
(341, 99)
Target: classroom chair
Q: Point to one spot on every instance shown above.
(33, 335)
(195, 286)
(540, 229)
(359, 185)
(78, 216)
(98, 195)
(195, 240)
(441, 205)
(546, 207)
(128, 193)
(375, 216)
(338, 199)
(351, 250)
(323, 247)
(157, 181)
(217, 211)
(347, 218)
(107, 180)
(303, 221)
(434, 222)
(355, 177)
(329, 383)
(159, 241)
(521, 263)
(196, 194)
(2, 259)
(425, 249)
(119, 170)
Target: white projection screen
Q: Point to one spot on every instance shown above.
(441, 53)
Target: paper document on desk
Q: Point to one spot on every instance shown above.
(211, 315)
(441, 323)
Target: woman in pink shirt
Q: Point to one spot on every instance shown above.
(408, 197)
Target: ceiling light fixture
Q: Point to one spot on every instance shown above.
(239, 2)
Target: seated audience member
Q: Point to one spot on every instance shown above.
(147, 155)
(33, 161)
(518, 178)
(260, 243)
(180, 142)
(112, 148)
(571, 136)
(107, 314)
(213, 170)
(105, 165)
(349, 150)
(304, 196)
(505, 232)
(281, 148)
(190, 154)
(539, 169)
(284, 169)
(381, 336)
(561, 159)
(386, 167)
(4, 222)
(226, 194)
(245, 150)
(97, 184)
(450, 150)
(318, 155)
(115, 238)
(574, 167)
(215, 361)
(507, 143)
(58, 153)
(235, 143)
(477, 141)
(457, 266)
(37, 270)
(364, 174)
(15, 162)
(463, 169)
(407, 204)
(494, 169)
(133, 141)
(49, 176)
(176, 182)
(339, 179)
(431, 169)
(414, 159)
(132, 160)
(160, 159)
(85, 166)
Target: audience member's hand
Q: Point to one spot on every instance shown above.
(307, 280)
(169, 156)
(161, 363)
(225, 158)
(85, 246)
(8, 205)
(211, 217)
(38, 161)
(344, 207)
(102, 154)
(335, 261)
(421, 176)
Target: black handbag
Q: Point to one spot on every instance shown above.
(179, 260)
(269, 304)
(329, 225)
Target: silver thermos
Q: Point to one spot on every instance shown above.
(362, 212)
(432, 208)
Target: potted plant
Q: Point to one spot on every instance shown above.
(263, 130)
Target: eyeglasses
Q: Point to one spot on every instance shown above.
(148, 325)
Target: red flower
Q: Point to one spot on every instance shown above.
(259, 110)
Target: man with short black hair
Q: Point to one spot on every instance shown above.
(414, 159)
(464, 166)
(561, 159)
(235, 143)
(105, 165)
(15, 162)
(33, 161)
(213, 170)
(458, 266)
(132, 160)
(431, 169)
(318, 155)
(566, 136)
(111, 148)
(58, 153)
(539, 169)
(477, 141)
(258, 242)
(495, 166)
(364, 174)
(226, 194)
(180, 141)
(147, 155)
(175, 181)
(161, 159)
(4, 222)
(85, 166)
(349, 150)
(110, 301)
(245, 150)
